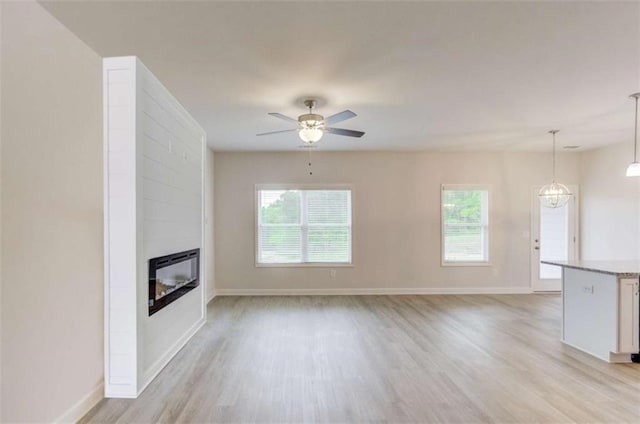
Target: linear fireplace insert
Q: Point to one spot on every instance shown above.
(171, 277)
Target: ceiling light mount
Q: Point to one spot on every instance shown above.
(633, 170)
(311, 120)
(554, 195)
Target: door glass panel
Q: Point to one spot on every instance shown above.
(554, 240)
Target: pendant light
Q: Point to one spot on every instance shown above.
(554, 195)
(633, 170)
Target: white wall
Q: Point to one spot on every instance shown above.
(1, 33)
(396, 222)
(154, 207)
(51, 217)
(209, 228)
(610, 206)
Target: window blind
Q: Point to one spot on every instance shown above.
(465, 224)
(304, 226)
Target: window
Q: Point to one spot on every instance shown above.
(465, 225)
(303, 226)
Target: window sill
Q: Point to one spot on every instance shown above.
(466, 264)
(307, 265)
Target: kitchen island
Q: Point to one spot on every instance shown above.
(600, 313)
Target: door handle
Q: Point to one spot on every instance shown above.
(537, 247)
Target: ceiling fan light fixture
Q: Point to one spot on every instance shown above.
(312, 126)
(310, 135)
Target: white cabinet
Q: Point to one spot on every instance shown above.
(628, 315)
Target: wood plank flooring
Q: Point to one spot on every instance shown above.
(383, 359)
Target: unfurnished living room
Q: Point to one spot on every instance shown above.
(319, 212)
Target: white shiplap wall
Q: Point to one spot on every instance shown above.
(154, 180)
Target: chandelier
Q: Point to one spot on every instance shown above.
(554, 195)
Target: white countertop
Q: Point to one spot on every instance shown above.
(631, 268)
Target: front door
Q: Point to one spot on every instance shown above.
(553, 237)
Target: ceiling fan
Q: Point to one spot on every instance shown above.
(311, 126)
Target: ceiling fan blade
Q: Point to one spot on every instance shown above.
(277, 132)
(339, 117)
(283, 117)
(342, 131)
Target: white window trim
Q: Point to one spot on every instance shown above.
(287, 186)
(486, 187)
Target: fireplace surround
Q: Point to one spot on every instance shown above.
(171, 277)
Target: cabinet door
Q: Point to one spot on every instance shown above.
(628, 329)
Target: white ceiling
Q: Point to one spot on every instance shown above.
(446, 76)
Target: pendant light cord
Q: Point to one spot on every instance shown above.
(554, 157)
(635, 136)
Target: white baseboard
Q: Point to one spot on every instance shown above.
(606, 359)
(372, 291)
(210, 296)
(120, 395)
(620, 358)
(84, 405)
(612, 358)
(155, 369)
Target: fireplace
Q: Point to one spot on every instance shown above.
(171, 277)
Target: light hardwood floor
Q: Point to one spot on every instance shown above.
(448, 359)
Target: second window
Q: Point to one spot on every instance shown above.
(465, 225)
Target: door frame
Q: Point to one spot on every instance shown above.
(574, 233)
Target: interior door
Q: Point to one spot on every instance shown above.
(554, 237)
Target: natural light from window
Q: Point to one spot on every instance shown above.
(465, 224)
(302, 226)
